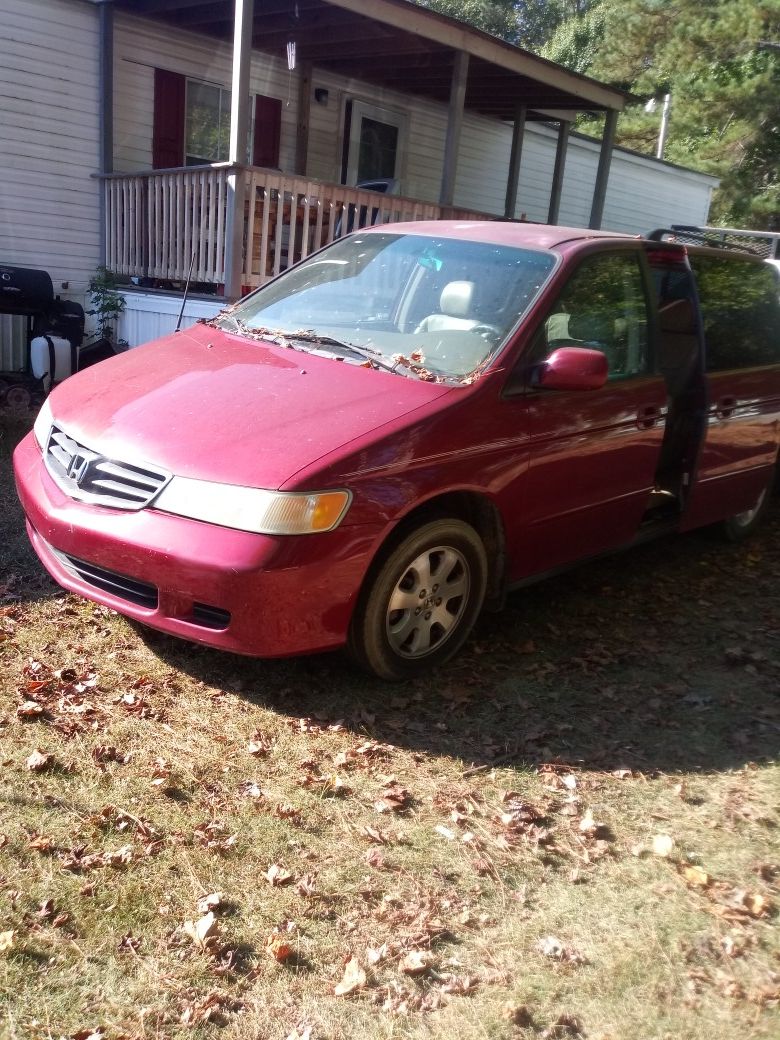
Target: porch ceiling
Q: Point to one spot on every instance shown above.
(398, 45)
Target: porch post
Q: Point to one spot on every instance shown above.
(557, 178)
(460, 73)
(515, 154)
(602, 174)
(106, 111)
(239, 126)
(304, 117)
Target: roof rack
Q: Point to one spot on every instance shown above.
(765, 244)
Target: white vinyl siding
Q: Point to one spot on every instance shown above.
(642, 193)
(49, 215)
(140, 46)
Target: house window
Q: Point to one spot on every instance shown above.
(207, 124)
(192, 124)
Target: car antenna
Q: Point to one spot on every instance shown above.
(186, 292)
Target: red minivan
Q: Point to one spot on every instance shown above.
(390, 435)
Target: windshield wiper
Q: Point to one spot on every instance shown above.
(372, 356)
(251, 331)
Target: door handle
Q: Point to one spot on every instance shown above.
(725, 407)
(647, 417)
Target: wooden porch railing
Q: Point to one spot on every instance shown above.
(161, 221)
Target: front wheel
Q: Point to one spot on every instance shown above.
(421, 604)
(742, 525)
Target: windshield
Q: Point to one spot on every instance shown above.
(430, 308)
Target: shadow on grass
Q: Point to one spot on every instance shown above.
(22, 577)
(663, 658)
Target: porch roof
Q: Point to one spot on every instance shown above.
(399, 45)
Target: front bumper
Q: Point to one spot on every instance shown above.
(251, 594)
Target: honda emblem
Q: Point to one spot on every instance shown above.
(77, 467)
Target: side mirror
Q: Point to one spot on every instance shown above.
(572, 368)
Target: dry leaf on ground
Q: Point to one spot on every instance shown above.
(354, 978)
(202, 930)
(39, 760)
(663, 845)
(416, 962)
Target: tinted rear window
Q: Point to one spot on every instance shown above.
(740, 305)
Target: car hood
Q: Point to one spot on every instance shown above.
(207, 404)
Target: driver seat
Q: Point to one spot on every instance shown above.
(455, 304)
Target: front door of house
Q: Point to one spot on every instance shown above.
(374, 141)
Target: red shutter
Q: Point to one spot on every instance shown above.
(268, 131)
(168, 134)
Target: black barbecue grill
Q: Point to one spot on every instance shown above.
(28, 292)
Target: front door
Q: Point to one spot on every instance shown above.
(593, 453)
(374, 143)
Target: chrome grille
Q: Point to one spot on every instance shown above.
(88, 476)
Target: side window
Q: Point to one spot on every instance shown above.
(740, 310)
(603, 306)
(678, 351)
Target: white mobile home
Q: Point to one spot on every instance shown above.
(123, 142)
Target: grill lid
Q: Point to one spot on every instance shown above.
(88, 476)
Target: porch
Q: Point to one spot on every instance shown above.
(238, 223)
(165, 226)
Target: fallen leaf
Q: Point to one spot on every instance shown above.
(212, 901)
(129, 943)
(392, 798)
(278, 876)
(201, 931)
(374, 955)
(354, 978)
(755, 904)
(663, 845)
(279, 948)
(588, 825)
(39, 760)
(302, 1032)
(518, 1015)
(306, 885)
(7, 940)
(30, 710)
(564, 1025)
(375, 835)
(696, 877)
(552, 947)
(259, 746)
(416, 962)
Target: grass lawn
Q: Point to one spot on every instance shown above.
(571, 830)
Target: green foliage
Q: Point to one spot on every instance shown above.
(576, 42)
(107, 302)
(724, 80)
(496, 17)
(539, 20)
(527, 23)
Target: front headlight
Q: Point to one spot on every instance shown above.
(43, 424)
(254, 509)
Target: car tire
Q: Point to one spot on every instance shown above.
(742, 525)
(419, 606)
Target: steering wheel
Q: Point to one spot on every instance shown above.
(488, 332)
